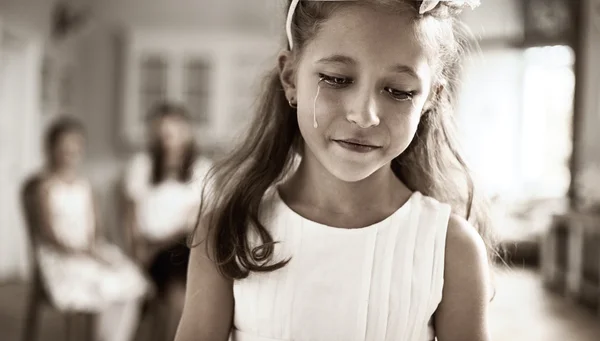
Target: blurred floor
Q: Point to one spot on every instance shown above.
(524, 311)
(521, 311)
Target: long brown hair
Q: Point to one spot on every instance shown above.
(429, 165)
(157, 151)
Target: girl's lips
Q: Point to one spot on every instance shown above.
(356, 145)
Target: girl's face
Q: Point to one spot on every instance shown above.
(372, 78)
(69, 150)
(173, 132)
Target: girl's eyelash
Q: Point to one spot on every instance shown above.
(340, 82)
(335, 81)
(399, 95)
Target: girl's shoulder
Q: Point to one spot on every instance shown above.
(45, 183)
(139, 163)
(48, 179)
(202, 166)
(432, 204)
(137, 173)
(51, 184)
(435, 213)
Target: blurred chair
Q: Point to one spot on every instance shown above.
(38, 296)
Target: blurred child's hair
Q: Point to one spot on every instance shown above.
(56, 130)
(431, 164)
(167, 108)
(157, 152)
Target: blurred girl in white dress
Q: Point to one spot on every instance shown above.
(162, 187)
(81, 271)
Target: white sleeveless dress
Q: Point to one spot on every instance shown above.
(168, 208)
(75, 281)
(378, 283)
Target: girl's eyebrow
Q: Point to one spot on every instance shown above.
(405, 69)
(341, 59)
(337, 59)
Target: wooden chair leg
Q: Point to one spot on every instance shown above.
(90, 327)
(69, 326)
(31, 319)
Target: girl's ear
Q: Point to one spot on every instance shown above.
(434, 95)
(286, 65)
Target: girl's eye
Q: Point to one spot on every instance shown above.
(336, 82)
(341, 82)
(400, 95)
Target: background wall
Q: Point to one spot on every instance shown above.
(588, 144)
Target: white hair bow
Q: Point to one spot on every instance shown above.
(428, 5)
(288, 23)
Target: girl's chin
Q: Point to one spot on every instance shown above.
(349, 172)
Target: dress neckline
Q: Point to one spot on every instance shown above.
(313, 224)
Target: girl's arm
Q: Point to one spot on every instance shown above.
(129, 189)
(208, 310)
(96, 229)
(463, 312)
(129, 223)
(97, 235)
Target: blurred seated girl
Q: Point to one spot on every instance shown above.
(82, 272)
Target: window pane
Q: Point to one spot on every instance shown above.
(154, 75)
(549, 83)
(197, 89)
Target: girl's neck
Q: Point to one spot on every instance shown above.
(313, 186)
(173, 159)
(67, 175)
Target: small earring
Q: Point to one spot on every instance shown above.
(293, 105)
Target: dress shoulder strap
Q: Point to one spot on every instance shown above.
(432, 224)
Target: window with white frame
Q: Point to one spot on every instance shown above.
(212, 74)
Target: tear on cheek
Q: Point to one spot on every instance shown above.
(315, 123)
